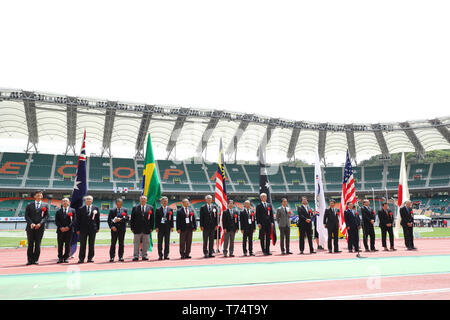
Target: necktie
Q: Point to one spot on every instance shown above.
(142, 209)
(38, 205)
(89, 210)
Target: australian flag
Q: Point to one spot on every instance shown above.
(79, 189)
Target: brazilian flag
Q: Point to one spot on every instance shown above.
(151, 186)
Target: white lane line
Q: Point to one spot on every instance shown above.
(385, 294)
(236, 286)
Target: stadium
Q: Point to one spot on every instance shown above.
(186, 147)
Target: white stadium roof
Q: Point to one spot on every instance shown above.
(53, 123)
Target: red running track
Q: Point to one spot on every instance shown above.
(12, 261)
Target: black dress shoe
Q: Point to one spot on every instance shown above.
(110, 260)
(393, 249)
(206, 256)
(166, 258)
(289, 252)
(36, 262)
(414, 248)
(135, 259)
(251, 254)
(121, 259)
(188, 257)
(211, 255)
(90, 261)
(29, 263)
(313, 252)
(144, 259)
(374, 250)
(367, 250)
(65, 261)
(350, 251)
(282, 253)
(245, 254)
(80, 261)
(410, 249)
(301, 252)
(337, 251)
(160, 258)
(269, 254)
(330, 251)
(231, 255)
(59, 261)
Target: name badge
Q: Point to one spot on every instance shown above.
(249, 221)
(187, 220)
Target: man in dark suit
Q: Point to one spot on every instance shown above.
(141, 224)
(304, 224)
(65, 221)
(407, 222)
(88, 224)
(230, 222)
(331, 223)
(208, 225)
(368, 220)
(164, 226)
(353, 224)
(186, 225)
(117, 221)
(36, 216)
(265, 220)
(248, 226)
(386, 226)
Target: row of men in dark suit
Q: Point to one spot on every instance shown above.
(354, 222)
(144, 219)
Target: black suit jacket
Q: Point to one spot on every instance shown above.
(367, 214)
(33, 216)
(160, 215)
(85, 223)
(264, 216)
(122, 224)
(63, 220)
(331, 219)
(406, 217)
(230, 220)
(244, 221)
(181, 220)
(385, 218)
(352, 221)
(142, 221)
(303, 215)
(208, 220)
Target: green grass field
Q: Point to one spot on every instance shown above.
(12, 238)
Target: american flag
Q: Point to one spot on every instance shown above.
(348, 193)
(220, 194)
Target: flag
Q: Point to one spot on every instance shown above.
(319, 197)
(151, 186)
(264, 185)
(403, 194)
(220, 193)
(79, 190)
(348, 193)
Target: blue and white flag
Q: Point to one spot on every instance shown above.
(319, 197)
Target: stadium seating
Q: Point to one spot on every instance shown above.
(99, 168)
(105, 174)
(41, 166)
(373, 173)
(440, 170)
(333, 175)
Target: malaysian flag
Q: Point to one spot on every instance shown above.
(79, 189)
(220, 194)
(348, 193)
